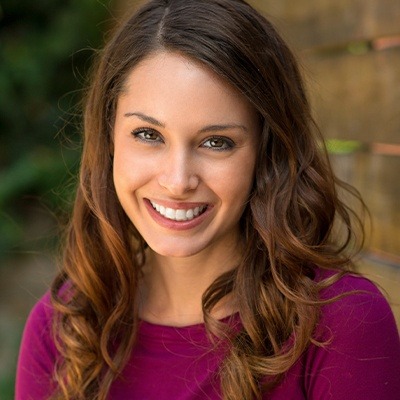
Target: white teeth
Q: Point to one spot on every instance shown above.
(178, 215)
(189, 214)
(170, 213)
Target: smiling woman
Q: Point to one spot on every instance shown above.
(202, 260)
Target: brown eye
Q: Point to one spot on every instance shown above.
(147, 135)
(219, 143)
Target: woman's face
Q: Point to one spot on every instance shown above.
(185, 145)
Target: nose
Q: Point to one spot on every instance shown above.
(178, 175)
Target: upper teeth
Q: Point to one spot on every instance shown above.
(180, 214)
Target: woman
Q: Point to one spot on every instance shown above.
(201, 261)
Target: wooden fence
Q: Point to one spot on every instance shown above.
(350, 50)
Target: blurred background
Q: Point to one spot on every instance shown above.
(350, 54)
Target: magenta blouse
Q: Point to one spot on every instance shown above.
(360, 362)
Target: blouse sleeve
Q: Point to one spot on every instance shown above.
(37, 356)
(360, 359)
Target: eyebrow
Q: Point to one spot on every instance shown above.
(145, 118)
(208, 128)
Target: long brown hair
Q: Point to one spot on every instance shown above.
(288, 225)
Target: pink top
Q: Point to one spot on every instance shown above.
(362, 361)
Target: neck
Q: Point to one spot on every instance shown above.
(172, 288)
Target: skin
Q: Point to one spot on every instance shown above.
(183, 138)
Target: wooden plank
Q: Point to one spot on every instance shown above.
(377, 178)
(356, 97)
(306, 23)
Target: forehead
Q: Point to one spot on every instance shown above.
(164, 62)
(171, 82)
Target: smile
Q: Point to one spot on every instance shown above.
(178, 214)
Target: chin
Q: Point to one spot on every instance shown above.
(175, 251)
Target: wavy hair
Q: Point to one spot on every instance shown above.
(288, 225)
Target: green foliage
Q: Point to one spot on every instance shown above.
(45, 54)
(337, 146)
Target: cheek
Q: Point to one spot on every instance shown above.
(234, 182)
(121, 167)
(129, 170)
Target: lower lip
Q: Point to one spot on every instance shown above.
(176, 225)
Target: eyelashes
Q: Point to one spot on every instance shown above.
(148, 135)
(214, 143)
(218, 143)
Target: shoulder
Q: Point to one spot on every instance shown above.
(38, 327)
(355, 304)
(347, 283)
(39, 324)
(358, 352)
